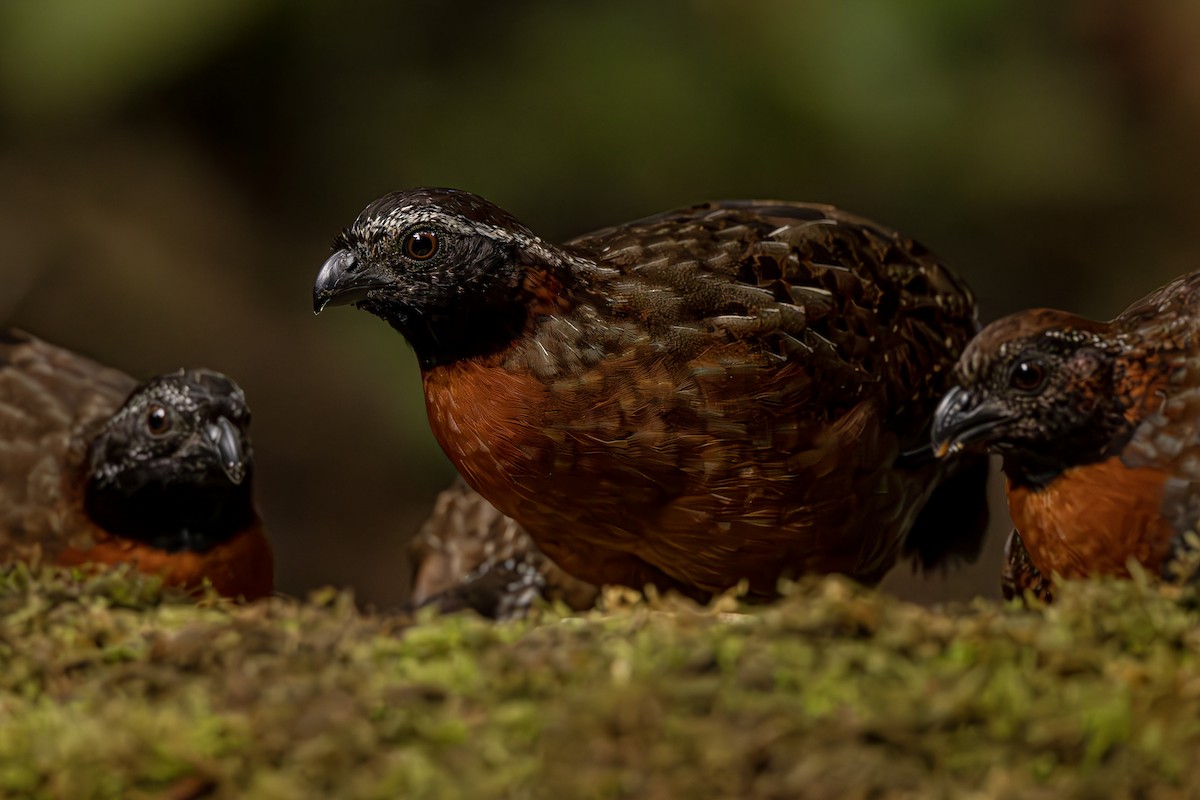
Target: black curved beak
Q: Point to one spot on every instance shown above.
(963, 419)
(226, 442)
(343, 280)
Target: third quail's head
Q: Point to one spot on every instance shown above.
(1039, 388)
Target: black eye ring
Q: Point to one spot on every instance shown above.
(1027, 376)
(158, 421)
(421, 245)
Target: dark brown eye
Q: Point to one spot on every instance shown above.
(1028, 376)
(158, 421)
(421, 245)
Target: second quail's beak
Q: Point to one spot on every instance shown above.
(343, 280)
(226, 441)
(963, 419)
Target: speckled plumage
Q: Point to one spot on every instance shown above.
(1019, 577)
(80, 481)
(710, 394)
(1103, 456)
(469, 555)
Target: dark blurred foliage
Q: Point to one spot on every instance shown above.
(171, 175)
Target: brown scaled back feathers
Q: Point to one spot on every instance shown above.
(469, 555)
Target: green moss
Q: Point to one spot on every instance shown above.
(115, 687)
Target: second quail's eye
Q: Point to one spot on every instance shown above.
(1028, 376)
(421, 245)
(158, 421)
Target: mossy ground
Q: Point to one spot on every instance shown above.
(112, 688)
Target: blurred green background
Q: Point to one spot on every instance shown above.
(171, 176)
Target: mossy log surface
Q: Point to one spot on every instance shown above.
(111, 687)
